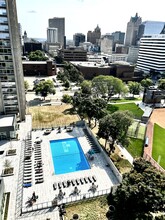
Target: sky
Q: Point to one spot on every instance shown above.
(84, 15)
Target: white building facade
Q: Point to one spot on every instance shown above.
(152, 53)
(52, 35)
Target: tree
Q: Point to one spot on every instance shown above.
(86, 87)
(37, 55)
(99, 110)
(67, 84)
(141, 192)
(99, 86)
(108, 86)
(115, 126)
(146, 83)
(66, 98)
(86, 108)
(161, 84)
(44, 88)
(72, 73)
(26, 84)
(134, 88)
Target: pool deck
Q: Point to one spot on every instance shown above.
(45, 192)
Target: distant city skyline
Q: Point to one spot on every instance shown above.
(84, 15)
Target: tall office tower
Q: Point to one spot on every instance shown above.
(94, 36)
(12, 92)
(106, 43)
(132, 31)
(78, 38)
(59, 23)
(151, 53)
(150, 27)
(52, 35)
(118, 37)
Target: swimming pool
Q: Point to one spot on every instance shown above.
(68, 156)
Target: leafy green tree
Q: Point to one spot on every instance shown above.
(44, 88)
(108, 86)
(67, 84)
(26, 84)
(63, 76)
(141, 193)
(99, 86)
(85, 109)
(72, 73)
(115, 126)
(100, 109)
(161, 84)
(37, 55)
(134, 88)
(66, 98)
(146, 83)
(86, 87)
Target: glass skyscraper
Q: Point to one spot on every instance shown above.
(12, 92)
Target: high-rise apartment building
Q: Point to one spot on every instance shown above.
(152, 53)
(59, 23)
(150, 27)
(78, 38)
(94, 36)
(132, 31)
(12, 93)
(52, 35)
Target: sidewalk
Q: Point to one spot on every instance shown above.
(126, 154)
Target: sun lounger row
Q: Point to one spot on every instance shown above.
(91, 141)
(27, 176)
(38, 164)
(74, 182)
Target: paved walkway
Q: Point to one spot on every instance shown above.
(126, 154)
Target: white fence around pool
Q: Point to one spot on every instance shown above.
(67, 200)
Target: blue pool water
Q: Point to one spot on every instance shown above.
(68, 156)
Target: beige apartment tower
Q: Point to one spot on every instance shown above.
(12, 92)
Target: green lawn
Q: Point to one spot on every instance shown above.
(132, 107)
(129, 99)
(135, 147)
(158, 148)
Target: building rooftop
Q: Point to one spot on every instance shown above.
(90, 64)
(6, 121)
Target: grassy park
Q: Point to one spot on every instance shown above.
(135, 147)
(52, 116)
(132, 107)
(127, 99)
(158, 145)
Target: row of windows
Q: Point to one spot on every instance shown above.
(3, 20)
(5, 71)
(11, 108)
(9, 91)
(3, 11)
(5, 58)
(6, 78)
(2, 3)
(5, 50)
(4, 27)
(5, 43)
(4, 35)
(11, 97)
(6, 65)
